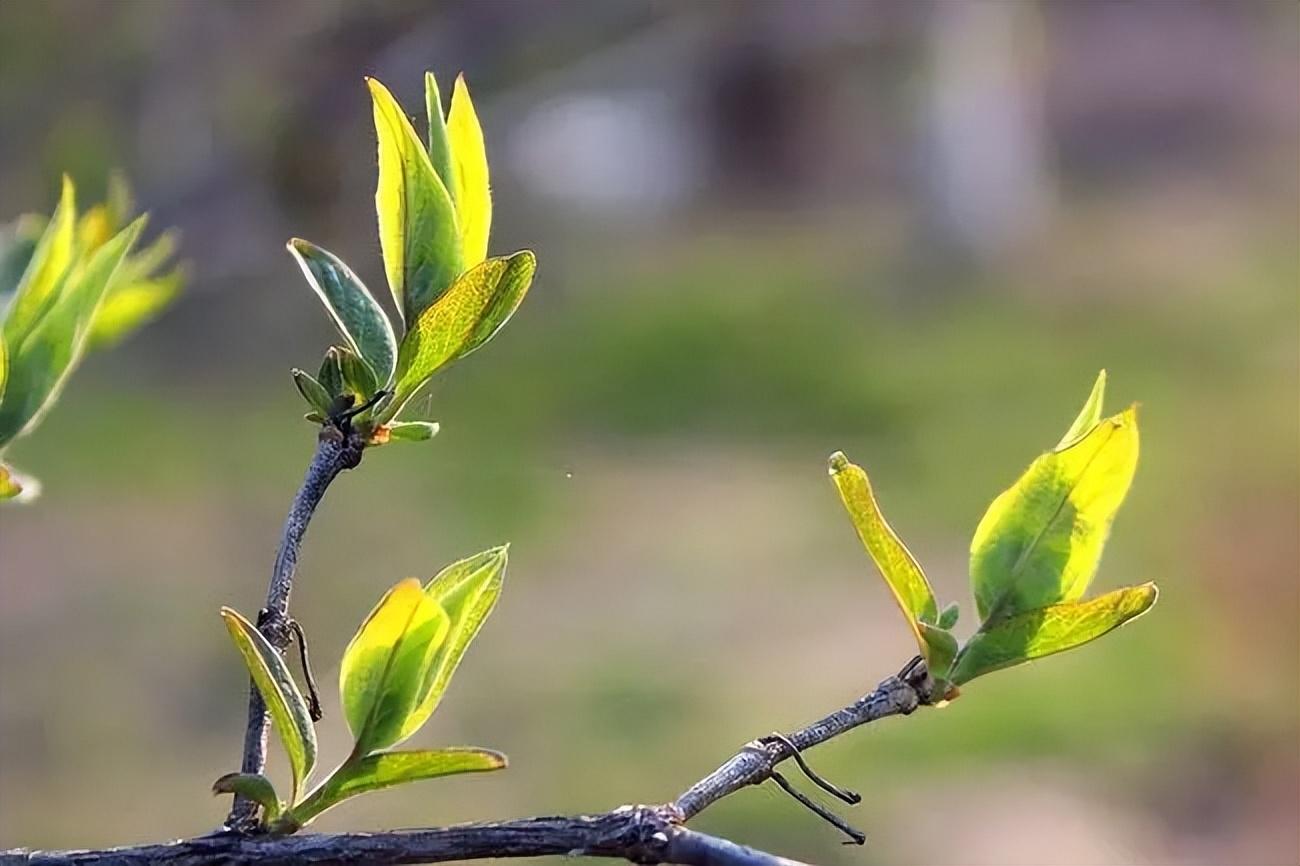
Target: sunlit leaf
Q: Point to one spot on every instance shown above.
(439, 145)
(18, 243)
(1089, 416)
(384, 666)
(126, 308)
(255, 787)
(354, 311)
(477, 305)
(39, 287)
(385, 769)
(40, 362)
(939, 648)
(1052, 629)
(1041, 540)
(312, 391)
(417, 222)
(412, 431)
(948, 616)
(289, 712)
(4, 366)
(10, 484)
(472, 195)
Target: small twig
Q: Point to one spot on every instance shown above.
(853, 798)
(819, 810)
(313, 697)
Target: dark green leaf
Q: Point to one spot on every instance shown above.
(312, 391)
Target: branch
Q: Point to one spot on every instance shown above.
(639, 834)
(336, 450)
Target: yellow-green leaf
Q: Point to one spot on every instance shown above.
(472, 194)
(897, 565)
(384, 666)
(289, 712)
(4, 365)
(1041, 540)
(354, 311)
(439, 146)
(39, 287)
(1089, 416)
(128, 307)
(477, 305)
(1052, 629)
(11, 485)
(255, 787)
(417, 222)
(412, 431)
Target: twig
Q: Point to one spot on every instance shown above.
(336, 450)
(639, 834)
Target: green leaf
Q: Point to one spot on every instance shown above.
(17, 246)
(939, 648)
(948, 616)
(477, 305)
(330, 374)
(284, 702)
(439, 146)
(468, 591)
(39, 288)
(417, 221)
(1041, 540)
(385, 769)
(412, 431)
(1053, 629)
(385, 665)
(312, 391)
(354, 311)
(4, 366)
(470, 187)
(358, 376)
(255, 787)
(126, 308)
(897, 565)
(41, 361)
(1089, 416)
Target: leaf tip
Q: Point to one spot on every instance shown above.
(837, 463)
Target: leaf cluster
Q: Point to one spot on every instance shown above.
(393, 675)
(1032, 557)
(68, 284)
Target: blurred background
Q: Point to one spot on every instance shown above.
(767, 230)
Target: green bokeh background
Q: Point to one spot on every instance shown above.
(650, 431)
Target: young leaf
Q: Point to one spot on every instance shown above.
(18, 243)
(385, 665)
(330, 374)
(439, 146)
(354, 311)
(312, 391)
(4, 366)
(358, 376)
(948, 616)
(467, 591)
(417, 222)
(10, 484)
(284, 702)
(127, 307)
(1041, 540)
(41, 361)
(385, 769)
(471, 191)
(412, 431)
(463, 319)
(39, 287)
(1089, 416)
(1037, 633)
(939, 648)
(255, 787)
(900, 570)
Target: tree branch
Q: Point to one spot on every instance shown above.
(639, 834)
(336, 450)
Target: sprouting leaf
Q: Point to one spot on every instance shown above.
(41, 361)
(11, 485)
(17, 246)
(358, 376)
(412, 431)
(385, 769)
(439, 146)
(897, 566)
(312, 391)
(255, 787)
(330, 374)
(462, 320)
(1041, 540)
(284, 701)
(471, 192)
(384, 666)
(467, 590)
(939, 648)
(1036, 633)
(4, 365)
(1089, 416)
(354, 311)
(417, 222)
(39, 288)
(948, 616)
(128, 307)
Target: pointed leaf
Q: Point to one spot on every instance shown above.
(4, 366)
(471, 194)
(939, 648)
(354, 311)
(1037, 633)
(467, 591)
(41, 361)
(439, 146)
(330, 374)
(412, 431)
(1041, 540)
(13, 486)
(948, 616)
(358, 376)
(38, 289)
(284, 702)
(896, 564)
(17, 246)
(385, 665)
(1089, 416)
(255, 787)
(128, 307)
(417, 222)
(312, 391)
